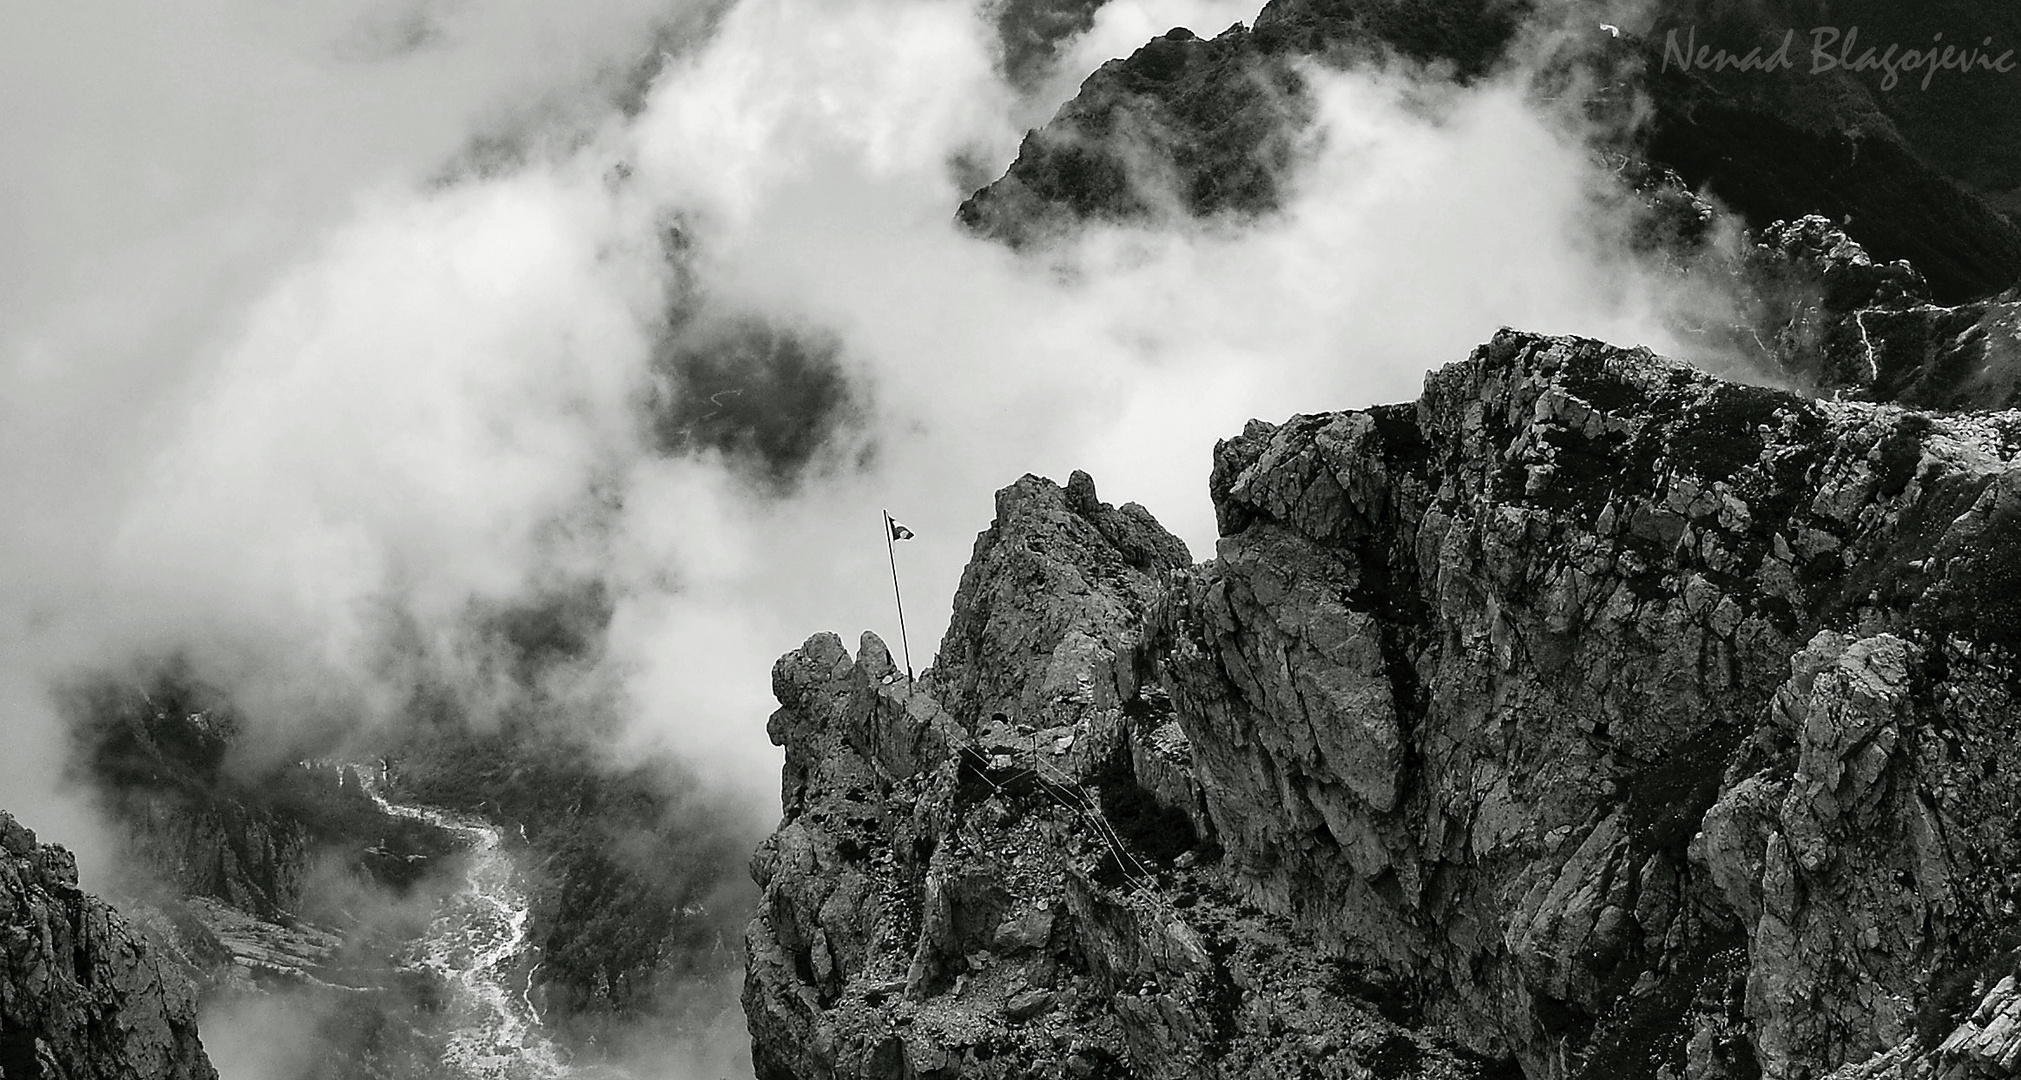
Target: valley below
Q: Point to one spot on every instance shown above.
(477, 946)
(1592, 715)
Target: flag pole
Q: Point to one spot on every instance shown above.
(890, 551)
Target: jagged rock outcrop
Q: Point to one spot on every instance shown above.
(981, 873)
(1593, 717)
(1192, 126)
(81, 995)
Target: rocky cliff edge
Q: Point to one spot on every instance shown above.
(82, 997)
(1591, 717)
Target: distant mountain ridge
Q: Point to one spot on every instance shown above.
(1211, 127)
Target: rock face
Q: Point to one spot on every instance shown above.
(1591, 717)
(1672, 654)
(986, 873)
(81, 995)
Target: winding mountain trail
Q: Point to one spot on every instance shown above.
(478, 945)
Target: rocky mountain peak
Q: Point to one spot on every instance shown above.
(1050, 599)
(1591, 716)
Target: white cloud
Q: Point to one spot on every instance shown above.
(271, 398)
(413, 415)
(347, 421)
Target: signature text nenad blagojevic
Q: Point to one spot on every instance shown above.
(1833, 50)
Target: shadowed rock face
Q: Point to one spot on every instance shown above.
(1191, 127)
(1591, 717)
(1769, 169)
(81, 995)
(1835, 320)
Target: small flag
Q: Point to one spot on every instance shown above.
(894, 531)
